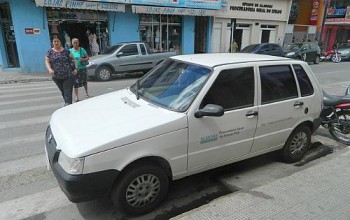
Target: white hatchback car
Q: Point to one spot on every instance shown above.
(189, 114)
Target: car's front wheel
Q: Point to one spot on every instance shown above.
(104, 73)
(297, 144)
(140, 189)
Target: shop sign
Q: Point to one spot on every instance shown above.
(337, 20)
(172, 11)
(204, 4)
(314, 12)
(86, 5)
(31, 30)
(255, 9)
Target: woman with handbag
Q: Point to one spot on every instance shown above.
(82, 59)
(61, 65)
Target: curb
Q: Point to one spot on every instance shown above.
(11, 81)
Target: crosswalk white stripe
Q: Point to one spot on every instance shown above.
(24, 122)
(29, 89)
(23, 164)
(24, 139)
(33, 204)
(53, 91)
(28, 84)
(30, 108)
(21, 101)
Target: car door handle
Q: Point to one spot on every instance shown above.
(251, 114)
(298, 103)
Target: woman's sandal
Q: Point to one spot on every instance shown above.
(87, 96)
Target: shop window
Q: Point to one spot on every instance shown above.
(90, 27)
(161, 32)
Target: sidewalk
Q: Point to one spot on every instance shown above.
(319, 192)
(12, 77)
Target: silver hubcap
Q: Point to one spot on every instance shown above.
(298, 144)
(143, 190)
(105, 74)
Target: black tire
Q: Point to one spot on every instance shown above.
(297, 144)
(304, 57)
(140, 189)
(104, 73)
(341, 132)
(317, 60)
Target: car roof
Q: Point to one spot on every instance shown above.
(217, 59)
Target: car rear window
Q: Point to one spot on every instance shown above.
(305, 85)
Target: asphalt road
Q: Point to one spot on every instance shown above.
(28, 190)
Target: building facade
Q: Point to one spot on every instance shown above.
(26, 27)
(249, 22)
(336, 28)
(305, 21)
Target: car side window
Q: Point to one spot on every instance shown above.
(274, 48)
(265, 49)
(232, 89)
(305, 85)
(143, 49)
(129, 50)
(277, 83)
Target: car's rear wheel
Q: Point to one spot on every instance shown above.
(103, 73)
(140, 189)
(297, 144)
(303, 57)
(317, 60)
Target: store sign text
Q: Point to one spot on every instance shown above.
(172, 11)
(256, 7)
(81, 5)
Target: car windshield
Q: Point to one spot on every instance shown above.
(293, 47)
(111, 49)
(173, 84)
(249, 49)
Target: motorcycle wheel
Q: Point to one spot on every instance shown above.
(340, 127)
(336, 59)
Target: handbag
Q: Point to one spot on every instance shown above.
(85, 62)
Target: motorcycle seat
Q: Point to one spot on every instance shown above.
(331, 100)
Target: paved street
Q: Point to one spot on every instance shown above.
(28, 190)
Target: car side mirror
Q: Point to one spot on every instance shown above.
(120, 54)
(210, 110)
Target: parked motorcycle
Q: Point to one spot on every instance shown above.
(336, 116)
(336, 58)
(333, 55)
(326, 55)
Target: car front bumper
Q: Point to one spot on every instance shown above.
(91, 70)
(83, 187)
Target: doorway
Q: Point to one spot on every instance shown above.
(8, 35)
(201, 28)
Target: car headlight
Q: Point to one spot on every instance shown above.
(291, 54)
(72, 166)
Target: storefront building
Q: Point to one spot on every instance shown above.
(249, 22)
(336, 28)
(26, 27)
(305, 21)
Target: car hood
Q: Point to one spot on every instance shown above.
(98, 57)
(108, 121)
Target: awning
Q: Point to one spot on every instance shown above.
(172, 11)
(87, 5)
